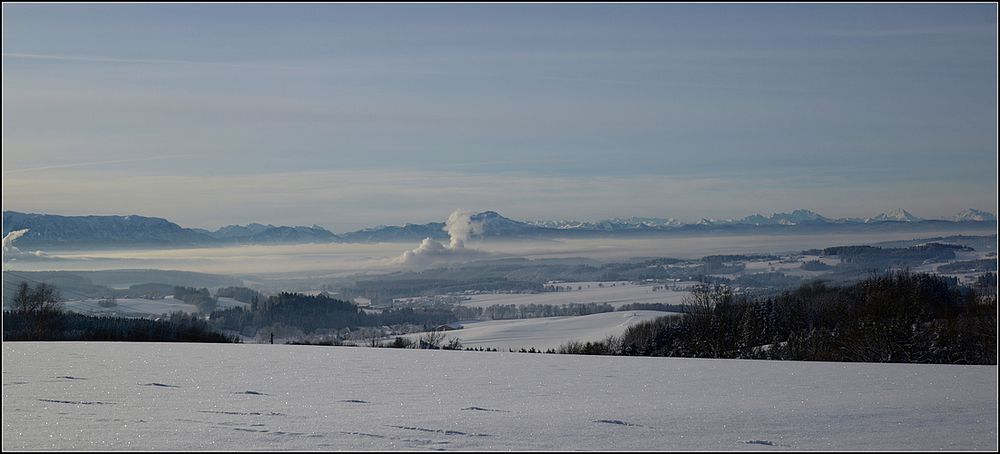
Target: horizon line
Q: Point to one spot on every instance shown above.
(531, 221)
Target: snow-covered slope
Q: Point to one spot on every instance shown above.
(162, 396)
(548, 332)
(590, 292)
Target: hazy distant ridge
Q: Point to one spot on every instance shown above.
(48, 230)
(797, 217)
(55, 230)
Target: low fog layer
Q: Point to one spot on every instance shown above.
(320, 259)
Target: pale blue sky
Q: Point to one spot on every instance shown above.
(354, 115)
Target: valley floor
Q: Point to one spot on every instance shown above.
(163, 396)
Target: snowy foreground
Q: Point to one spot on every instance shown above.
(160, 396)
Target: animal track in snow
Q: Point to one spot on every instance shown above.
(618, 422)
(364, 434)
(160, 385)
(442, 431)
(77, 402)
(243, 413)
(485, 409)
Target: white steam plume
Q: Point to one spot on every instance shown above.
(428, 252)
(460, 227)
(8, 240)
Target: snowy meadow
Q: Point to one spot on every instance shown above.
(544, 333)
(163, 396)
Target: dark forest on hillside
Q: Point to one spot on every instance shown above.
(895, 317)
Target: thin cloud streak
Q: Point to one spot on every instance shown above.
(916, 31)
(94, 163)
(101, 59)
(342, 70)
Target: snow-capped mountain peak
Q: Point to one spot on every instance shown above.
(898, 215)
(792, 218)
(972, 214)
(611, 224)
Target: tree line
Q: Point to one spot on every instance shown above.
(310, 313)
(200, 298)
(893, 317)
(35, 313)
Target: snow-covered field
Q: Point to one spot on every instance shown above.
(548, 332)
(130, 307)
(621, 294)
(162, 396)
(142, 307)
(226, 302)
(789, 267)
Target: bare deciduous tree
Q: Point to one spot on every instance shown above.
(432, 339)
(41, 300)
(454, 344)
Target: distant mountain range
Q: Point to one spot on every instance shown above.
(50, 230)
(267, 234)
(55, 231)
(797, 217)
(611, 224)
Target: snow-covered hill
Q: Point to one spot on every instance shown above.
(546, 332)
(163, 396)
